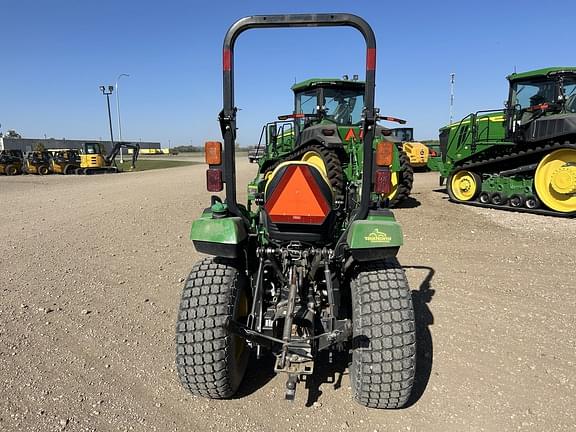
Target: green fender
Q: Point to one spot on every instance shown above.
(376, 238)
(218, 236)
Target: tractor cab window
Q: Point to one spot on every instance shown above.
(344, 106)
(306, 102)
(529, 94)
(570, 94)
(404, 134)
(92, 148)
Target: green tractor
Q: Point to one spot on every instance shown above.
(521, 158)
(325, 129)
(308, 264)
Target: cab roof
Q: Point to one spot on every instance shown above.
(541, 72)
(314, 82)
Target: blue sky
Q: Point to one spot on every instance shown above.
(56, 53)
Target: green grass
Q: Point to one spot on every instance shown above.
(148, 164)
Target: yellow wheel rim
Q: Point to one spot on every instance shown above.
(315, 159)
(394, 181)
(464, 185)
(555, 180)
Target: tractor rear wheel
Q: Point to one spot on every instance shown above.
(405, 180)
(211, 361)
(384, 336)
(328, 162)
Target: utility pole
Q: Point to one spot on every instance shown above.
(107, 92)
(118, 113)
(452, 76)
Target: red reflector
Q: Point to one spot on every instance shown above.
(297, 198)
(226, 59)
(214, 180)
(433, 153)
(382, 182)
(350, 135)
(327, 132)
(371, 59)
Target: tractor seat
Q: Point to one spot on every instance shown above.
(298, 203)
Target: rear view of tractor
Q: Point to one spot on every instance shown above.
(309, 263)
(325, 129)
(522, 158)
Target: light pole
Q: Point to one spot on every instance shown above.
(118, 113)
(452, 76)
(107, 92)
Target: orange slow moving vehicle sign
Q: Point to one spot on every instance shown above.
(297, 198)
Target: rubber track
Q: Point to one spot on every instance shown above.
(515, 155)
(384, 357)
(202, 343)
(538, 211)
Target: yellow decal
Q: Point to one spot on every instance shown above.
(377, 236)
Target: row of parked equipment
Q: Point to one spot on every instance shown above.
(90, 159)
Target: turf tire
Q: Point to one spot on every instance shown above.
(207, 356)
(384, 335)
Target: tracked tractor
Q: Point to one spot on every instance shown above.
(11, 162)
(37, 162)
(308, 264)
(94, 160)
(65, 162)
(325, 128)
(521, 158)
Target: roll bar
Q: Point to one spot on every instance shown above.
(227, 116)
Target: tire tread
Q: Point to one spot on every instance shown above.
(383, 372)
(202, 342)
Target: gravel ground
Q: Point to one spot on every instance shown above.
(90, 275)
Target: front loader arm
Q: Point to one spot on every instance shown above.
(116, 149)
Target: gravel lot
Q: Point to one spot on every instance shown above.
(90, 278)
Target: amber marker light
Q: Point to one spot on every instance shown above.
(213, 152)
(384, 153)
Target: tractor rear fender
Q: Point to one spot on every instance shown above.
(375, 238)
(223, 237)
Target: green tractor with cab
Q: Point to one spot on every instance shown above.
(522, 158)
(308, 264)
(325, 129)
